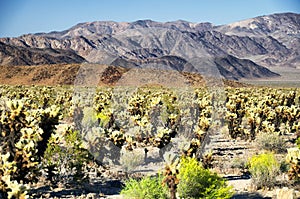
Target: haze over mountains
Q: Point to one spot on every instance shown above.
(239, 50)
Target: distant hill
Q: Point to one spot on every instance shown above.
(239, 50)
(16, 55)
(67, 74)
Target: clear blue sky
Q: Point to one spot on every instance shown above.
(19, 17)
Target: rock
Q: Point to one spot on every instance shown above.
(285, 193)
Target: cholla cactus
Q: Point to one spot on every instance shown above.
(171, 172)
(24, 135)
(15, 189)
(293, 158)
(261, 110)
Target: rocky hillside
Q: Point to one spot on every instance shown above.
(68, 74)
(239, 50)
(282, 31)
(16, 55)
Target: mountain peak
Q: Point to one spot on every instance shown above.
(252, 44)
(286, 23)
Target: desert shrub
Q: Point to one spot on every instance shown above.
(65, 157)
(147, 187)
(271, 141)
(131, 159)
(197, 182)
(264, 169)
(284, 166)
(239, 163)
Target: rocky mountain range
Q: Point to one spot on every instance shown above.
(11, 55)
(244, 49)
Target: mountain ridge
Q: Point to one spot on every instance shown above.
(16, 55)
(168, 23)
(265, 41)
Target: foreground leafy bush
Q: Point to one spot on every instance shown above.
(197, 182)
(146, 188)
(264, 169)
(66, 157)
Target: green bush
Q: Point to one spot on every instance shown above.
(264, 169)
(197, 182)
(67, 159)
(298, 142)
(146, 188)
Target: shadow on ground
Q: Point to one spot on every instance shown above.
(112, 187)
(249, 196)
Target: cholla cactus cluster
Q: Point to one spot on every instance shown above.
(151, 117)
(268, 113)
(131, 118)
(24, 131)
(293, 158)
(262, 110)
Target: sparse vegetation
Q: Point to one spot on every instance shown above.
(30, 115)
(271, 141)
(131, 159)
(239, 163)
